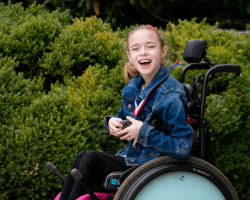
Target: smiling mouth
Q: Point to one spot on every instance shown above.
(144, 62)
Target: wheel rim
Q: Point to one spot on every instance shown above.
(217, 186)
(208, 182)
(178, 186)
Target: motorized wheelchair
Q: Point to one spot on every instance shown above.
(166, 177)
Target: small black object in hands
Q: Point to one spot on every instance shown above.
(125, 123)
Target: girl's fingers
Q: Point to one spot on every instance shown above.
(115, 122)
(124, 131)
(118, 124)
(112, 131)
(115, 130)
(126, 137)
(134, 143)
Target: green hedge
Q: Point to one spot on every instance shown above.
(230, 128)
(97, 93)
(28, 34)
(41, 121)
(37, 128)
(80, 45)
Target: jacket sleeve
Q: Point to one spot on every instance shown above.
(178, 144)
(119, 115)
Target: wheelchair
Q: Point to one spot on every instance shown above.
(166, 177)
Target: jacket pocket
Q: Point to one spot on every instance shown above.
(144, 114)
(128, 105)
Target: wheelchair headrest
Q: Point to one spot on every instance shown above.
(194, 51)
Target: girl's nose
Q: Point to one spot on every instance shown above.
(143, 52)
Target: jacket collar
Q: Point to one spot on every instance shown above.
(160, 76)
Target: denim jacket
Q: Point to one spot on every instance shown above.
(167, 101)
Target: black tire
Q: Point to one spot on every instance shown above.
(149, 171)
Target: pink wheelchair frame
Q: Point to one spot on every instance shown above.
(100, 196)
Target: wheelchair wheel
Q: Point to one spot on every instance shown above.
(175, 179)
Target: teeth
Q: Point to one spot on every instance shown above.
(144, 61)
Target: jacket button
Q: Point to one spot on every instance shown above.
(129, 106)
(141, 140)
(132, 160)
(142, 117)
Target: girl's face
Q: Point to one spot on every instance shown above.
(145, 53)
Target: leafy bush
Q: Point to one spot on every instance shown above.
(225, 47)
(97, 94)
(37, 128)
(229, 115)
(14, 15)
(82, 44)
(27, 34)
(16, 92)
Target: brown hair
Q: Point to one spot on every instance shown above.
(129, 71)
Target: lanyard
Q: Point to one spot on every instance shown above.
(175, 65)
(138, 106)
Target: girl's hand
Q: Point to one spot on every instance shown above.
(114, 125)
(132, 131)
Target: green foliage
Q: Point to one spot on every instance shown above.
(36, 128)
(123, 33)
(225, 47)
(16, 92)
(27, 34)
(14, 15)
(82, 44)
(97, 94)
(229, 115)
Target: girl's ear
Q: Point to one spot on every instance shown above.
(128, 55)
(164, 51)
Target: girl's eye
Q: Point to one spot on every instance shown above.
(151, 46)
(134, 49)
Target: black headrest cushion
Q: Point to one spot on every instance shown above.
(194, 51)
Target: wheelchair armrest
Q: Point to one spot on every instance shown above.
(114, 179)
(111, 180)
(191, 95)
(127, 173)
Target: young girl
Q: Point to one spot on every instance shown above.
(150, 93)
